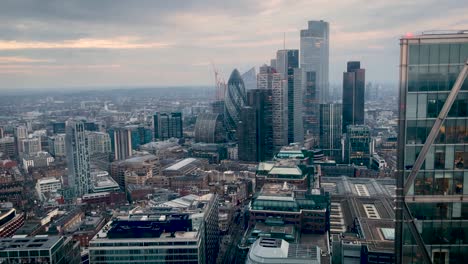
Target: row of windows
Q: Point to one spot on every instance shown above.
(145, 251)
(454, 254)
(433, 78)
(423, 105)
(439, 211)
(453, 131)
(438, 53)
(181, 257)
(441, 183)
(144, 244)
(448, 157)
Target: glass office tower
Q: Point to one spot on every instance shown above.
(438, 197)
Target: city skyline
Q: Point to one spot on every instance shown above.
(113, 43)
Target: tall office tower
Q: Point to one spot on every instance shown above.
(168, 125)
(353, 95)
(287, 63)
(247, 135)
(279, 112)
(269, 79)
(436, 222)
(122, 143)
(314, 60)
(234, 100)
(1, 132)
(255, 129)
(358, 145)
(250, 79)
(76, 145)
(330, 130)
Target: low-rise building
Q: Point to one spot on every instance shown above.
(40, 249)
(10, 221)
(46, 186)
(271, 250)
(179, 232)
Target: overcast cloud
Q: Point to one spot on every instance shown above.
(89, 43)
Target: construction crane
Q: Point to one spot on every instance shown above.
(220, 84)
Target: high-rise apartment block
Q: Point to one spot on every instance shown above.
(432, 209)
(168, 125)
(353, 95)
(76, 145)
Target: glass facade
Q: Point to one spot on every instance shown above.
(430, 64)
(235, 99)
(330, 130)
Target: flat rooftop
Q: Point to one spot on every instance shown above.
(179, 165)
(42, 242)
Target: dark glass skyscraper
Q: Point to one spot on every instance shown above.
(168, 125)
(437, 198)
(234, 100)
(330, 130)
(358, 145)
(353, 95)
(256, 133)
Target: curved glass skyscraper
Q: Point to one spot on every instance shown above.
(235, 99)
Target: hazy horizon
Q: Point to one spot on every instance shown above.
(88, 44)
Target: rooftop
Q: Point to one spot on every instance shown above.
(268, 250)
(20, 243)
(180, 164)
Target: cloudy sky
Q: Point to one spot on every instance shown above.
(91, 43)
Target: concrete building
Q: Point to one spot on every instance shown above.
(98, 143)
(39, 159)
(47, 185)
(8, 147)
(29, 145)
(185, 232)
(40, 249)
(122, 145)
(182, 167)
(103, 182)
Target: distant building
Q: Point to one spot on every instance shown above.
(8, 147)
(58, 128)
(287, 65)
(217, 107)
(330, 130)
(102, 182)
(214, 153)
(98, 142)
(79, 178)
(234, 99)
(168, 125)
(122, 143)
(39, 159)
(30, 145)
(353, 95)
(184, 232)
(182, 167)
(57, 145)
(40, 249)
(250, 79)
(142, 165)
(314, 61)
(358, 145)
(209, 128)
